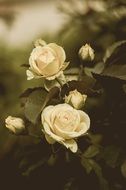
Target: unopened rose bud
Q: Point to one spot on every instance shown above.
(86, 53)
(39, 42)
(15, 125)
(76, 99)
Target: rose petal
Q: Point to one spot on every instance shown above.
(32, 60)
(58, 112)
(54, 76)
(46, 116)
(50, 133)
(36, 52)
(70, 144)
(51, 68)
(29, 74)
(60, 52)
(49, 139)
(67, 135)
(33, 66)
(84, 118)
(81, 129)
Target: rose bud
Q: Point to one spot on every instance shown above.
(86, 53)
(15, 125)
(39, 42)
(46, 61)
(76, 99)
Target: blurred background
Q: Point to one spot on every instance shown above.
(70, 24)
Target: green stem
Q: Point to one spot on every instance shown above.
(55, 151)
(81, 72)
(59, 82)
(35, 136)
(62, 80)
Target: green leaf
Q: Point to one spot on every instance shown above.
(111, 155)
(25, 65)
(28, 91)
(37, 100)
(95, 138)
(52, 160)
(35, 103)
(86, 164)
(109, 52)
(33, 167)
(116, 71)
(98, 68)
(115, 65)
(49, 84)
(98, 171)
(92, 165)
(69, 184)
(53, 97)
(84, 87)
(91, 151)
(72, 74)
(113, 72)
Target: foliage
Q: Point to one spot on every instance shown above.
(97, 152)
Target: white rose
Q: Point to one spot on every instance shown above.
(15, 125)
(76, 99)
(86, 53)
(47, 60)
(63, 123)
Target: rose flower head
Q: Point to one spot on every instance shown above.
(62, 123)
(47, 61)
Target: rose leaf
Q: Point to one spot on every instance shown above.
(91, 151)
(34, 104)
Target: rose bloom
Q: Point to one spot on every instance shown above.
(47, 60)
(15, 124)
(76, 99)
(63, 123)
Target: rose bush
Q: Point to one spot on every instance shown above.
(63, 123)
(46, 61)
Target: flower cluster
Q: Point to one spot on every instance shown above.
(63, 122)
